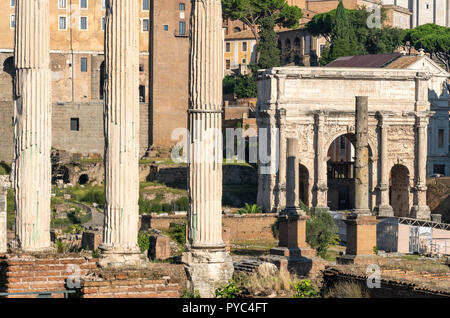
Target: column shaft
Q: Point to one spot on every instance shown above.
(32, 125)
(362, 156)
(121, 127)
(321, 186)
(3, 221)
(384, 209)
(282, 158)
(292, 174)
(205, 118)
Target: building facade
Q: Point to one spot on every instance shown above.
(77, 68)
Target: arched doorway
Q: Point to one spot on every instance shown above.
(303, 184)
(399, 190)
(340, 173)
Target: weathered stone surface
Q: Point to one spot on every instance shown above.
(159, 247)
(32, 120)
(207, 262)
(122, 134)
(316, 117)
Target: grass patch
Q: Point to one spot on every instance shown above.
(11, 216)
(5, 169)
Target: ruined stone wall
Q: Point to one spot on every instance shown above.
(50, 272)
(241, 227)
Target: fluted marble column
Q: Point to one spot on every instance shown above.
(420, 210)
(32, 126)
(321, 186)
(4, 185)
(384, 209)
(121, 116)
(207, 262)
(292, 178)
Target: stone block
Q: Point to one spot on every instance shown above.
(159, 247)
(361, 235)
(91, 240)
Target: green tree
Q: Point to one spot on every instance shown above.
(253, 13)
(343, 38)
(267, 49)
(368, 40)
(321, 232)
(434, 39)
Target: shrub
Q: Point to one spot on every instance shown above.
(250, 209)
(94, 196)
(4, 168)
(305, 289)
(228, 291)
(177, 232)
(321, 232)
(144, 206)
(166, 207)
(189, 294)
(143, 241)
(276, 229)
(181, 204)
(346, 289)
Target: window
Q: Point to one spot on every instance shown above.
(62, 25)
(12, 21)
(244, 61)
(83, 4)
(141, 67)
(142, 93)
(322, 49)
(182, 28)
(103, 23)
(145, 5)
(145, 25)
(83, 23)
(166, 27)
(228, 47)
(441, 138)
(103, 4)
(74, 124)
(12, 3)
(83, 65)
(182, 7)
(62, 4)
(244, 47)
(228, 64)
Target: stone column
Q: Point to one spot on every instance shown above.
(32, 126)
(292, 178)
(4, 186)
(207, 262)
(362, 156)
(361, 225)
(384, 209)
(121, 117)
(420, 210)
(448, 13)
(321, 186)
(282, 159)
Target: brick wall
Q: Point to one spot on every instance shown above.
(241, 227)
(50, 272)
(25, 273)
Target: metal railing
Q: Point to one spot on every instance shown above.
(42, 294)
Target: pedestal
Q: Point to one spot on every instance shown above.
(207, 270)
(361, 240)
(420, 212)
(385, 211)
(292, 241)
(110, 258)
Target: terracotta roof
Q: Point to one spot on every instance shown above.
(246, 34)
(374, 60)
(404, 61)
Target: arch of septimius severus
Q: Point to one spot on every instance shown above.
(316, 107)
(207, 261)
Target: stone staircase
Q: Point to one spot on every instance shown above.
(247, 266)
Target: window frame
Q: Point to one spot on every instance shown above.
(65, 23)
(87, 23)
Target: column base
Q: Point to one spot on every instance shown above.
(110, 258)
(361, 235)
(360, 259)
(361, 212)
(293, 211)
(207, 270)
(293, 252)
(298, 265)
(384, 211)
(422, 212)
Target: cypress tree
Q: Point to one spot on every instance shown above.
(269, 54)
(343, 38)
